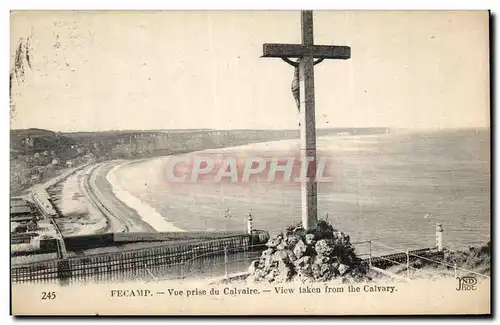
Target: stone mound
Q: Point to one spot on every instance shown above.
(320, 255)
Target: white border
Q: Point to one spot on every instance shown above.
(255, 4)
(180, 5)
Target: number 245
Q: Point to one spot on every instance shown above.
(48, 295)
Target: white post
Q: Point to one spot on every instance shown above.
(249, 224)
(439, 237)
(408, 264)
(225, 261)
(370, 259)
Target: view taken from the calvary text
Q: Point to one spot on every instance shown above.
(249, 147)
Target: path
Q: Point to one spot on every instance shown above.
(98, 191)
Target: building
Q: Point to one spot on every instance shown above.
(20, 211)
(17, 201)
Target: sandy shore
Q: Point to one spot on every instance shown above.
(80, 216)
(147, 213)
(83, 217)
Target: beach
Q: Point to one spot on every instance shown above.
(87, 204)
(142, 210)
(81, 215)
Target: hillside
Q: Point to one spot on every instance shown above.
(37, 154)
(27, 141)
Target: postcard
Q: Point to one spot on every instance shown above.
(250, 163)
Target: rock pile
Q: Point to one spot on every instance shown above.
(320, 255)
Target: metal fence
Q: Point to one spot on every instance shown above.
(395, 262)
(219, 263)
(161, 260)
(221, 258)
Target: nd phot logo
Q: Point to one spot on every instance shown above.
(467, 283)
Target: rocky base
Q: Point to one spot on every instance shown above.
(308, 256)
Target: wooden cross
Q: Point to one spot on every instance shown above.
(306, 52)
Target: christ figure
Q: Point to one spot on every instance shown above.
(295, 81)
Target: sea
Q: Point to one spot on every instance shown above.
(388, 188)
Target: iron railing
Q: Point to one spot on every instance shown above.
(376, 253)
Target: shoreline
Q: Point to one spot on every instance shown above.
(147, 213)
(143, 210)
(80, 213)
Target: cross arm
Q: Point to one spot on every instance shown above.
(298, 51)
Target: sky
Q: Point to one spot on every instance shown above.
(96, 71)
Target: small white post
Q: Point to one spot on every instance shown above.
(455, 268)
(249, 223)
(370, 258)
(408, 264)
(225, 261)
(439, 237)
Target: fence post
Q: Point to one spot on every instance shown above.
(408, 264)
(456, 271)
(225, 261)
(370, 257)
(149, 272)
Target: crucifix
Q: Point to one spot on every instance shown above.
(303, 90)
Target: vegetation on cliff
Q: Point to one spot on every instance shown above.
(474, 259)
(477, 259)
